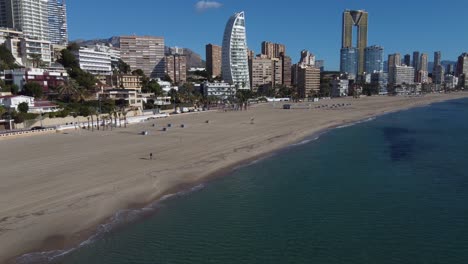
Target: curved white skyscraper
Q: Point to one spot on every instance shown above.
(235, 66)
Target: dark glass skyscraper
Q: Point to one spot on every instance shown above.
(349, 62)
(58, 29)
(407, 60)
(374, 58)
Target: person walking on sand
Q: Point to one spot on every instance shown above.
(151, 156)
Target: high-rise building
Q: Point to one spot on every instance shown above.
(359, 19)
(307, 58)
(272, 50)
(462, 65)
(462, 70)
(176, 68)
(213, 60)
(286, 66)
(58, 29)
(438, 74)
(422, 72)
(5, 13)
(374, 59)
(450, 69)
(393, 61)
(349, 62)
(416, 65)
(308, 81)
(416, 60)
(437, 59)
(262, 71)
(145, 53)
(235, 65)
(320, 64)
(401, 74)
(424, 62)
(407, 60)
(29, 16)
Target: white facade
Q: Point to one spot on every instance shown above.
(340, 87)
(113, 52)
(94, 62)
(451, 81)
(25, 49)
(12, 102)
(31, 17)
(235, 66)
(401, 74)
(166, 86)
(221, 90)
(36, 47)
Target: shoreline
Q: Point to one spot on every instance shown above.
(71, 243)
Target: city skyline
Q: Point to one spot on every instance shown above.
(323, 31)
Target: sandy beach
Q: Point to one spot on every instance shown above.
(56, 188)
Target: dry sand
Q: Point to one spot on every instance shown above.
(55, 187)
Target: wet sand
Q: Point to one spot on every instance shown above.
(56, 188)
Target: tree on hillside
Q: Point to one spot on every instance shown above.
(123, 67)
(2, 111)
(139, 72)
(33, 89)
(153, 87)
(167, 78)
(23, 107)
(14, 89)
(7, 60)
(68, 59)
(73, 46)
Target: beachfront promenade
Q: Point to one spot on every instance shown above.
(56, 188)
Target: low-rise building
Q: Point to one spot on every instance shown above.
(132, 97)
(221, 90)
(125, 81)
(166, 86)
(13, 101)
(45, 78)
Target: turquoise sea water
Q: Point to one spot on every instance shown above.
(391, 190)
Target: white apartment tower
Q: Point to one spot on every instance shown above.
(235, 65)
(31, 17)
(38, 19)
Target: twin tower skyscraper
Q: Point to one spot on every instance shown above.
(352, 56)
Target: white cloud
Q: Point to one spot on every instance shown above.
(206, 4)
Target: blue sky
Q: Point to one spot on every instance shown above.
(397, 25)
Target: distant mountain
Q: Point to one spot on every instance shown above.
(194, 60)
(115, 41)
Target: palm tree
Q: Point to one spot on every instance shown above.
(88, 122)
(36, 60)
(115, 118)
(125, 118)
(120, 119)
(97, 119)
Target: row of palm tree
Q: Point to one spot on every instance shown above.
(110, 120)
